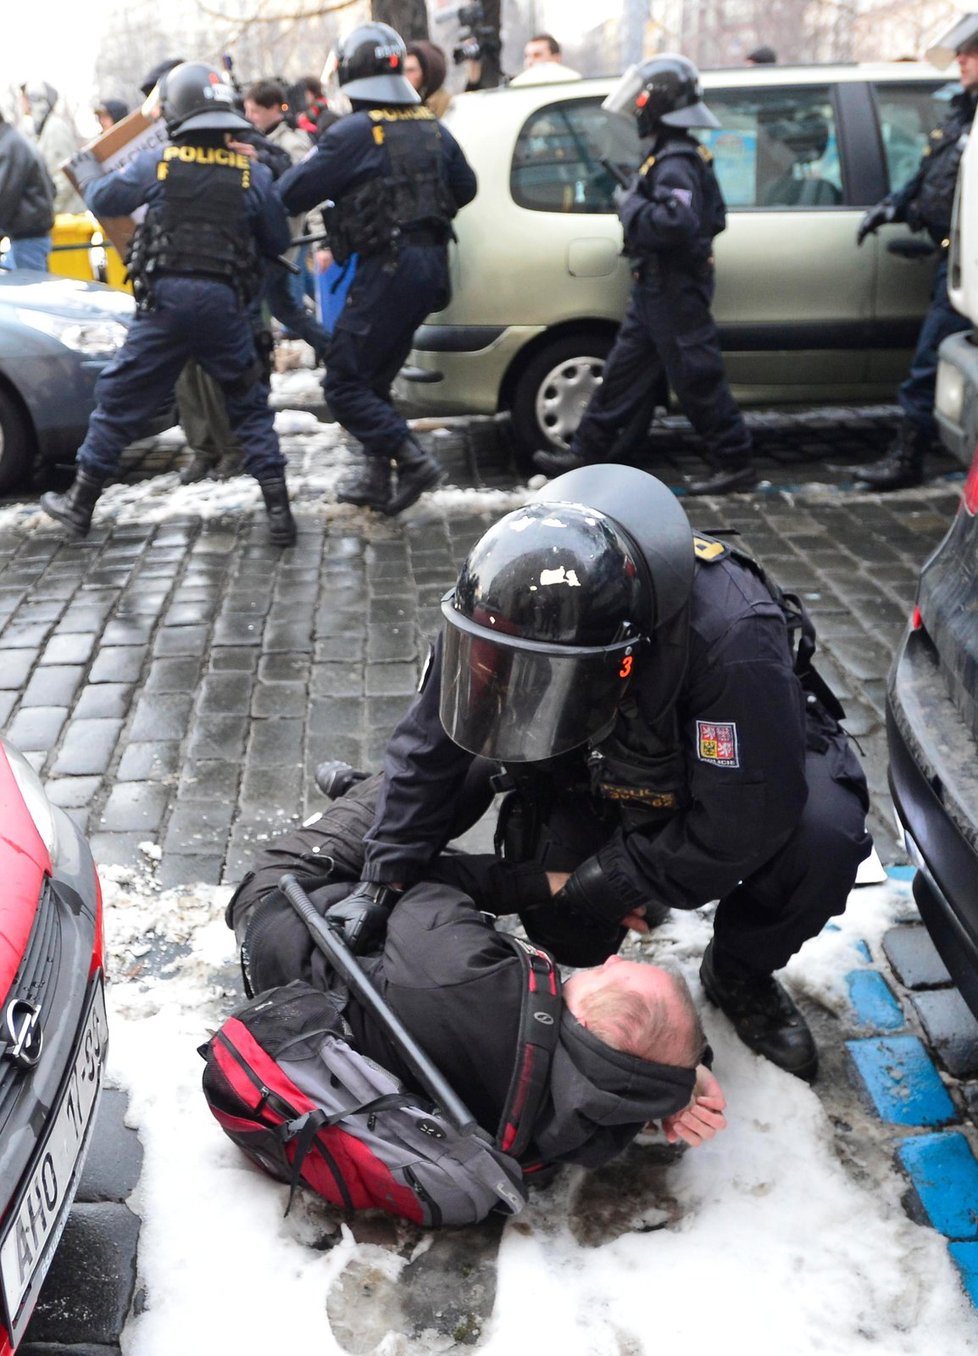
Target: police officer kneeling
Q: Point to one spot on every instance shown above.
(195, 262)
(396, 178)
(651, 698)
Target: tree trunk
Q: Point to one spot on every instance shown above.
(409, 17)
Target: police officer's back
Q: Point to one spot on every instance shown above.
(195, 263)
(396, 178)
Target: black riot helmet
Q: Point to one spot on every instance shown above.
(664, 89)
(552, 608)
(194, 97)
(370, 66)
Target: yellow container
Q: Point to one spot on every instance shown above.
(72, 231)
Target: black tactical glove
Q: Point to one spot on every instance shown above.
(362, 916)
(876, 217)
(569, 936)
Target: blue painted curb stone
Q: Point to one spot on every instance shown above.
(965, 1256)
(944, 1171)
(873, 1001)
(902, 1081)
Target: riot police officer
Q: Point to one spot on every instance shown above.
(195, 262)
(651, 699)
(925, 205)
(670, 214)
(396, 178)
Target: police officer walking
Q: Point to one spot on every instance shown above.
(651, 699)
(670, 215)
(195, 263)
(396, 178)
(925, 205)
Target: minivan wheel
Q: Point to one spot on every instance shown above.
(552, 391)
(16, 452)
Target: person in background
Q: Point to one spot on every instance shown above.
(425, 68)
(26, 201)
(111, 111)
(542, 64)
(55, 141)
(312, 111)
(196, 264)
(396, 178)
(925, 205)
(670, 213)
(264, 107)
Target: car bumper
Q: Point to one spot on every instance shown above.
(934, 784)
(956, 399)
(470, 362)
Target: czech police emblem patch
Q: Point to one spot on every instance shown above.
(717, 743)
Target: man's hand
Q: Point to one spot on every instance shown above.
(703, 1118)
(635, 920)
(362, 916)
(242, 148)
(875, 218)
(86, 168)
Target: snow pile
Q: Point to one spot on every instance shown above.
(758, 1242)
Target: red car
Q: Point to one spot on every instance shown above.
(53, 1032)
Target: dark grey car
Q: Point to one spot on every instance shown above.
(932, 730)
(56, 335)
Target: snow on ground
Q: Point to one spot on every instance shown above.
(768, 1247)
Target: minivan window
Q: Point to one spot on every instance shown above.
(775, 147)
(557, 158)
(908, 113)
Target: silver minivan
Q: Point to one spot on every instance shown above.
(804, 314)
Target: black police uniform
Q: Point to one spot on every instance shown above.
(397, 178)
(669, 220)
(745, 791)
(195, 264)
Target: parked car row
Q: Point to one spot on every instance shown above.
(804, 314)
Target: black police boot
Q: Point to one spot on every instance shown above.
(903, 465)
(74, 507)
(763, 1016)
(726, 480)
(416, 472)
(554, 461)
(370, 487)
(281, 524)
(334, 778)
(199, 467)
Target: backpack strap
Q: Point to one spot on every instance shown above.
(539, 1029)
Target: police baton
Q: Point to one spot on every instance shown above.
(332, 944)
(620, 176)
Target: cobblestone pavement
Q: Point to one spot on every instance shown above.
(177, 680)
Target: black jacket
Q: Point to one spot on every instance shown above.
(457, 987)
(925, 202)
(740, 725)
(26, 190)
(675, 207)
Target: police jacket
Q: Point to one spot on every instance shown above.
(724, 798)
(925, 202)
(675, 206)
(384, 168)
(457, 987)
(205, 170)
(26, 191)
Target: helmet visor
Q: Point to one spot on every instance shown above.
(622, 98)
(521, 701)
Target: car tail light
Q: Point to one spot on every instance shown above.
(98, 947)
(969, 494)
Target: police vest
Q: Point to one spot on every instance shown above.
(199, 226)
(930, 208)
(713, 211)
(411, 200)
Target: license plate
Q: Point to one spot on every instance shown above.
(39, 1216)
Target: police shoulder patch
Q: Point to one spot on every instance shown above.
(705, 548)
(716, 742)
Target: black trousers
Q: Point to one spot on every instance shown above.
(668, 335)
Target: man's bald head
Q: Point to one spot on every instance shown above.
(640, 1009)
